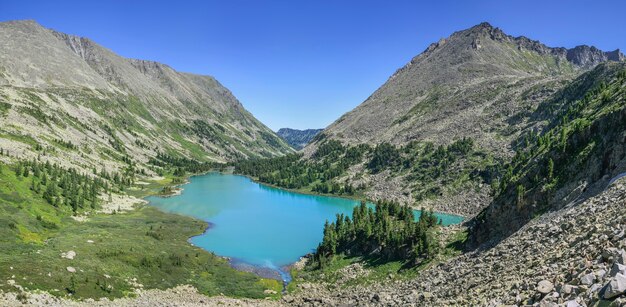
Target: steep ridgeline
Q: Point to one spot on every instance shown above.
(479, 84)
(79, 104)
(297, 138)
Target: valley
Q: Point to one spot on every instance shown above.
(486, 171)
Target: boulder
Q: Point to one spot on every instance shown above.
(545, 287)
(616, 287)
(569, 289)
(69, 255)
(618, 268)
(572, 303)
(588, 279)
(621, 257)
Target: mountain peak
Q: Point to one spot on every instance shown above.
(589, 56)
(483, 34)
(23, 22)
(483, 26)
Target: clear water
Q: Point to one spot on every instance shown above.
(256, 224)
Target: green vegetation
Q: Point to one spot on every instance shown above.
(375, 269)
(67, 187)
(387, 233)
(384, 156)
(180, 166)
(580, 143)
(292, 172)
(113, 252)
(430, 169)
(4, 108)
(545, 161)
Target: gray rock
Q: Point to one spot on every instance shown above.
(617, 268)
(569, 289)
(621, 257)
(545, 286)
(616, 287)
(588, 279)
(572, 303)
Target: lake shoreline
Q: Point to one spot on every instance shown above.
(331, 195)
(282, 273)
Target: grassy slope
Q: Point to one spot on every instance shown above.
(145, 244)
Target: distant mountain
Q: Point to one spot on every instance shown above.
(66, 98)
(298, 138)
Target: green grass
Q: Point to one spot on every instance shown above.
(22, 138)
(145, 245)
(332, 272)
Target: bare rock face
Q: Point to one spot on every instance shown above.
(297, 138)
(616, 55)
(589, 56)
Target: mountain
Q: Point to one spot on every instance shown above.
(554, 233)
(479, 84)
(298, 138)
(85, 135)
(71, 101)
(551, 231)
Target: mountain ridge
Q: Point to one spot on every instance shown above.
(478, 83)
(64, 81)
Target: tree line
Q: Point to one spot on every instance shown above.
(61, 186)
(388, 232)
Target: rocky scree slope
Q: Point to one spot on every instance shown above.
(573, 256)
(297, 138)
(67, 98)
(479, 83)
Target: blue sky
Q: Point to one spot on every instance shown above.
(302, 64)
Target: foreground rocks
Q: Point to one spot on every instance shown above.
(571, 257)
(179, 296)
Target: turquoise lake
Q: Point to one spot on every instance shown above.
(256, 224)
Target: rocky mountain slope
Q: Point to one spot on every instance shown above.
(554, 234)
(572, 158)
(77, 103)
(480, 84)
(297, 138)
